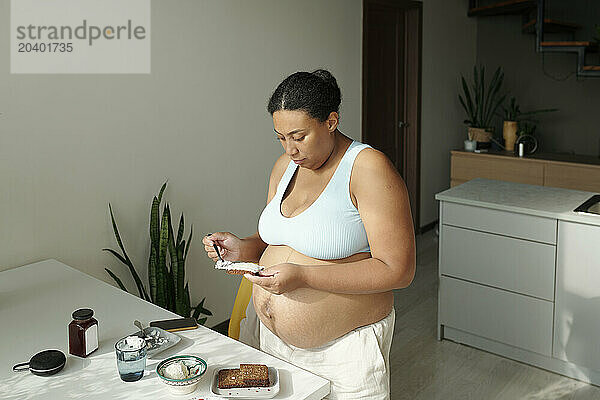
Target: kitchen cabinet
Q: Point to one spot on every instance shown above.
(577, 310)
(519, 274)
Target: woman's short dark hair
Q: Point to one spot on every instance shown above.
(317, 93)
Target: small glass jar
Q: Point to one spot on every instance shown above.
(83, 333)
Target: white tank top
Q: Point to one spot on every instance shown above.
(330, 228)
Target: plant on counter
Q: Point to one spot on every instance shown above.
(481, 102)
(526, 128)
(513, 112)
(166, 263)
(514, 118)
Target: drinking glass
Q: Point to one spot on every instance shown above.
(131, 358)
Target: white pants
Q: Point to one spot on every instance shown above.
(357, 364)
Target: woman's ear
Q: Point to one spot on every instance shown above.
(332, 121)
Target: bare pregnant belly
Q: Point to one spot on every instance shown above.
(309, 318)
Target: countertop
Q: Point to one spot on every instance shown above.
(521, 198)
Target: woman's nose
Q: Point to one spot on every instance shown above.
(290, 148)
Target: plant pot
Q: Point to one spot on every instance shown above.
(479, 134)
(470, 145)
(509, 133)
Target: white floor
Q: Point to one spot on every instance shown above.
(424, 368)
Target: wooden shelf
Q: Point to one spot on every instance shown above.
(591, 67)
(551, 26)
(503, 8)
(566, 44)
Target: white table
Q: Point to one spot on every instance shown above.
(36, 302)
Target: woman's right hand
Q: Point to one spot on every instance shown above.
(229, 245)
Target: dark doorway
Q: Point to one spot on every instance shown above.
(392, 86)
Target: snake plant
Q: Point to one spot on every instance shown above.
(513, 112)
(166, 263)
(481, 102)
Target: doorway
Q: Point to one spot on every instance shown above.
(391, 120)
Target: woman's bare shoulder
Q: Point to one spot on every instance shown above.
(372, 166)
(276, 174)
(279, 168)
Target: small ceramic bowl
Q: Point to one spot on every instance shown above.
(195, 365)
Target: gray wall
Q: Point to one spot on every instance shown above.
(449, 49)
(536, 80)
(70, 144)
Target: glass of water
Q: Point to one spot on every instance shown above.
(131, 358)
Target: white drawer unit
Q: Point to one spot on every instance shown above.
(519, 274)
(507, 263)
(495, 314)
(506, 223)
(577, 326)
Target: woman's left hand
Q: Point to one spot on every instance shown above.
(280, 278)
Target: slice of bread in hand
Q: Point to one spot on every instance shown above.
(238, 268)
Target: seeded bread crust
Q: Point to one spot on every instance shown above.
(255, 374)
(248, 375)
(229, 378)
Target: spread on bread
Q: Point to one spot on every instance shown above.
(238, 268)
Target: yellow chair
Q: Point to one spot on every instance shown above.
(239, 308)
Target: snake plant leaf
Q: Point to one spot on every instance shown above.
(469, 102)
(175, 262)
(116, 278)
(494, 88)
(119, 257)
(184, 303)
(201, 321)
(181, 275)
(475, 87)
(142, 293)
(183, 298)
(187, 246)
(202, 309)
(161, 268)
(136, 278)
(180, 231)
(155, 223)
(196, 313)
(116, 231)
(171, 299)
(494, 108)
(464, 106)
(152, 262)
(162, 189)
(493, 93)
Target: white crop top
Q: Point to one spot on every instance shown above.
(329, 228)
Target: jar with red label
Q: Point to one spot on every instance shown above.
(83, 333)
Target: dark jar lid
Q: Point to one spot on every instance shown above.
(82, 314)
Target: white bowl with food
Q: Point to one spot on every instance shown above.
(181, 373)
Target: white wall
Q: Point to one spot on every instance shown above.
(449, 49)
(69, 144)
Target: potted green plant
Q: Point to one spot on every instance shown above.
(526, 135)
(513, 115)
(480, 103)
(166, 263)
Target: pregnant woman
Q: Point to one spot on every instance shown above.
(335, 238)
